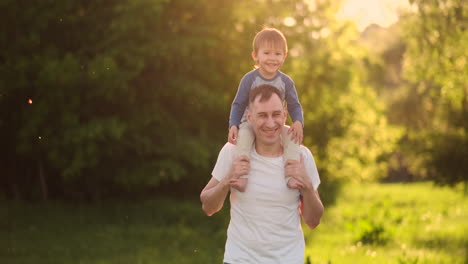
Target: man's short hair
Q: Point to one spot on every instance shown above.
(265, 91)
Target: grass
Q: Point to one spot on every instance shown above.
(162, 231)
(375, 223)
(393, 223)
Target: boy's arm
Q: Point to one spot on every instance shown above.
(239, 104)
(292, 99)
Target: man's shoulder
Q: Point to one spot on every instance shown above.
(227, 150)
(306, 151)
(228, 146)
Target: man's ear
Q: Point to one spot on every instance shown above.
(249, 116)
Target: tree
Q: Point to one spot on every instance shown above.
(345, 119)
(111, 84)
(436, 68)
(132, 95)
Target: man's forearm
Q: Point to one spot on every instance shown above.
(311, 208)
(213, 197)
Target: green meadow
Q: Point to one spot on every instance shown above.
(393, 223)
(369, 223)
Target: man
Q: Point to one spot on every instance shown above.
(265, 219)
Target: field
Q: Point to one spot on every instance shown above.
(375, 223)
(393, 223)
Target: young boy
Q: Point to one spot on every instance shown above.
(269, 52)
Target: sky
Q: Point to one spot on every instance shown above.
(366, 12)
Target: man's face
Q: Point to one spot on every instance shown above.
(267, 119)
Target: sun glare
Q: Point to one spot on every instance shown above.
(366, 12)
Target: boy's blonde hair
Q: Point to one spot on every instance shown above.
(270, 36)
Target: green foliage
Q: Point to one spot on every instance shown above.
(134, 95)
(408, 260)
(436, 100)
(117, 94)
(371, 233)
(449, 163)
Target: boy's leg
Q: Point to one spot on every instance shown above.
(245, 139)
(292, 151)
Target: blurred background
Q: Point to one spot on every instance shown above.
(112, 114)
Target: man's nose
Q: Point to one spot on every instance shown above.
(270, 122)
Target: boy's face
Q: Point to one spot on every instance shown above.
(269, 59)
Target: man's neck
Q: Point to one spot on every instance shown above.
(275, 150)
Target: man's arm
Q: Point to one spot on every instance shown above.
(215, 192)
(213, 195)
(311, 207)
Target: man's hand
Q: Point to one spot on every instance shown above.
(215, 192)
(240, 166)
(297, 132)
(296, 170)
(232, 137)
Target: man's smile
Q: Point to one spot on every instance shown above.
(270, 131)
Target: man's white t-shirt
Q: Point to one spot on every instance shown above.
(265, 223)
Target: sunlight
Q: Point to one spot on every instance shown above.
(289, 21)
(366, 12)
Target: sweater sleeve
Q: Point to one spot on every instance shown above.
(240, 102)
(292, 99)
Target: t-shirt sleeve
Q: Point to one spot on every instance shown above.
(224, 162)
(311, 167)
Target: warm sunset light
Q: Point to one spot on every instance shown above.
(30, 101)
(366, 12)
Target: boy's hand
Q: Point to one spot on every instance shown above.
(297, 132)
(232, 137)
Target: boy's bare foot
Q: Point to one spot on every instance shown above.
(294, 184)
(239, 184)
